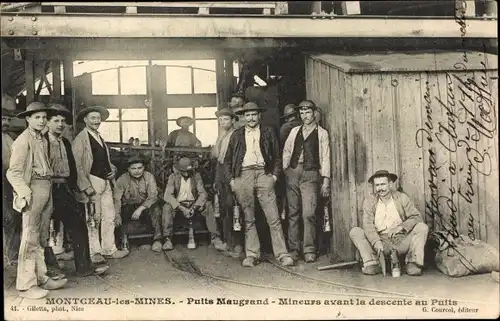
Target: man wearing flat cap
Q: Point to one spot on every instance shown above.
(65, 191)
(186, 195)
(136, 198)
(253, 164)
(390, 222)
(182, 137)
(306, 162)
(11, 220)
(30, 175)
(226, 118)
(95, 174)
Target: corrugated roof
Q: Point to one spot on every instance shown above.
(408, 62)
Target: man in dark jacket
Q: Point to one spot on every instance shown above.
(252, 165)
(390, 222)
(66, 207)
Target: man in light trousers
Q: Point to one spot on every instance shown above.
(30, 176)
(95, 174)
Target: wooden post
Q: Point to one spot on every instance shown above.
(56, 81)
(29, 73)
(281, 8)
(220, 81)
(68, 85)
(350, 7)
(149, 97)
(465, 8)
(315, 6)
(490, 8)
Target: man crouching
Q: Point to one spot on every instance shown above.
(136, 198)
(390, 222)
(185, 194)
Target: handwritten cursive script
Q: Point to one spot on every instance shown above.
(461, 117)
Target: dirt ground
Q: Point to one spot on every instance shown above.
(146, 274)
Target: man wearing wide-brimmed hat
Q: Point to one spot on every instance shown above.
(235, 104)
(390, 222)
(306, 162)
(226, 118)
(95, 174)
(12, 221)
(136, 198)
(65, 191)
(252, 165)
(186, 195)
(290, 121)
(30, 176)
(182, 137)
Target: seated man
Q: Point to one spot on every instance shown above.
(390, 221)
(182, 137)
(185, 194)
(136, 198)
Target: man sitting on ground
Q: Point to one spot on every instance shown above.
(390, 221)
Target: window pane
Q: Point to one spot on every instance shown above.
(113, 114)
(110, 131)
(205, 112)
(136, 130)
(172, 125)
(133, 81)
(174, 112)
(134, 114)
(105, 82)
(178, 80)
(206, 131)
(204, 82)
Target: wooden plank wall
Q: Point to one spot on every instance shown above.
(436, 130)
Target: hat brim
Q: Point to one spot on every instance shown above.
(223, 113)
(31, 112)
(184, 118)
(391, 176)
(183, 169)
(136, 161)
(298, 108)
(243, 111)
(8, 112)
(67, 114)
(101, 110)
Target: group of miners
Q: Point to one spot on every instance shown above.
(76, 183)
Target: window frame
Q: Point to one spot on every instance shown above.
(120, 122)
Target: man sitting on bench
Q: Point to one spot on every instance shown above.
(136, 198)
(185, 194)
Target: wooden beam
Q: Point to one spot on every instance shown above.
(169, 26)
(29, 73)
(465, 8)
(220, 80)
(165, 4)
(350, 7)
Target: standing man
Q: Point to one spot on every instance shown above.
(290, 121)
(390, 221)
(186, 194)
(306, 162)
(136, 198)
(11, 220)
(29, 174)
(226, 118)
(182, 137)
(65, 190)
(95, 174)
(252, 165)
(236, 103)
